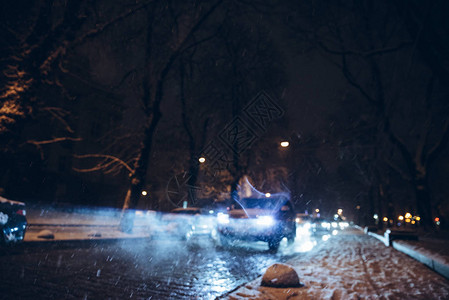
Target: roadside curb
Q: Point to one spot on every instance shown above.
(381, 238)
(436, 266)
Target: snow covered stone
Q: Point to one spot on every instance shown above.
(46, 234)
(281, 276)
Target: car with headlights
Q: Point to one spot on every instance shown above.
(268, 219)
(189, 222)
(13, 222)
(321, 225)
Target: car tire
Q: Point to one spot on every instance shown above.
(4, 240)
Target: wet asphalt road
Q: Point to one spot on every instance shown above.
(138, 269)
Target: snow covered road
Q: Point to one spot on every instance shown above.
(352, 265)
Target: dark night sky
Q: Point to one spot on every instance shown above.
(315, 94)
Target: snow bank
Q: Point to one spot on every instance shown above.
(354, 266)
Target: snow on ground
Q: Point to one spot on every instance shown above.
(82, 223)
(352, 265)
(82, 216)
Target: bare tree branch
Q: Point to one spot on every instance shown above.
(39, 144)
(367, 54)
(100, 166)
(52, 141)
(59, 113)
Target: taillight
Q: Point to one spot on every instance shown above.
(21, 212)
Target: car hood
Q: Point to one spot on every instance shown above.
(11, 202)
(249, 213)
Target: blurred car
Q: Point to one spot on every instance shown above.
(186, 223)
(302, 218)
(321, 225)
(13, 221)
(267, 219)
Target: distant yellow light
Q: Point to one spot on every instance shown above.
(418, 219)
(407, 220)
(339, 211)
(408, 215)
(413, 222)
(201, 159)
(385, 219)
(144, 193)
(285, 144)
(400, 218)
(317, 210)
(268, 195)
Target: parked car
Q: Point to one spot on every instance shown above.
(268, 219)
(190, 222)
(13, 221)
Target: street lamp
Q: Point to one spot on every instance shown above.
(144, 193)
(285, 144)
(201, 160)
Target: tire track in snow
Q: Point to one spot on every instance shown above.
(367, 275)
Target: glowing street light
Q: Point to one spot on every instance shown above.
(285, 144)
(317, 210)
(408, 215)
(385, 219)
(400, 218)
(201, 160)
(339, 211)
(268, 195)
(144, 193)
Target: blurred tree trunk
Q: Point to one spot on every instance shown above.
(153, 94)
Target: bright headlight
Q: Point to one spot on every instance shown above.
(326, 225)
(222, 218)
(265, 220)
(343, 225)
